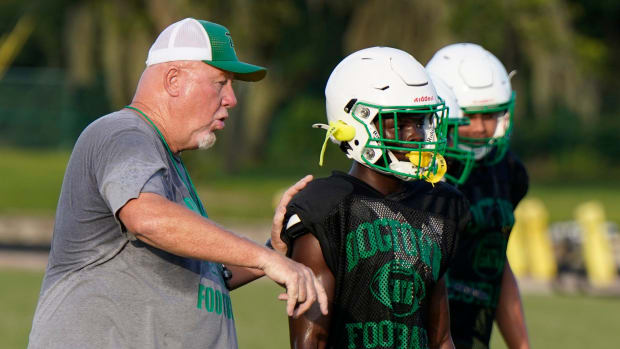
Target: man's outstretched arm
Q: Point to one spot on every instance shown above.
(242, 275)
(169, 226)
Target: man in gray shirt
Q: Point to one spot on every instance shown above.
(135, 262)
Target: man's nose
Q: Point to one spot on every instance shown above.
(229, 100)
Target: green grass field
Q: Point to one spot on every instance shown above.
(553, 321)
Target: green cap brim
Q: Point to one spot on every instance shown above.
(242, 71)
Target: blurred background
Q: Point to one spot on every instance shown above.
(64, 63)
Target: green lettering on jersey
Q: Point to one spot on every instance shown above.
(366, 249)
(351, 334)
(387, 333)
(383, 235)
(492, 213)
(384, 241)
(489, 255)
(352, 255)
(370, 335)
(396, 233)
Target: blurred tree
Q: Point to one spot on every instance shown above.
(566, 53)
(536, 37)
(418, 27)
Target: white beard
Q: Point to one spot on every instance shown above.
(207, 141)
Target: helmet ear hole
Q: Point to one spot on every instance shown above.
(345, 147)
(356, 142)
(347, 108)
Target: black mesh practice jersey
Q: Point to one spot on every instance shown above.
(474, 279)
(386, 254)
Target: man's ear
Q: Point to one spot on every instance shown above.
(171, 80)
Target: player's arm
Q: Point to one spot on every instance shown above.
(311, 329)
(439, 318)
(510, 316)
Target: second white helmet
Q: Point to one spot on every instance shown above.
(481, 85)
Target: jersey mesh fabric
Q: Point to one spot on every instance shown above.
(474, 279)
(386, 254)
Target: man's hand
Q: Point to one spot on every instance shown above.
(302, 287)
(278, 218)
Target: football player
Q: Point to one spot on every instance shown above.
(481, 285)
(380, 237)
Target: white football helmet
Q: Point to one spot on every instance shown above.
(481, 85)
(462, 160)
(377, 83)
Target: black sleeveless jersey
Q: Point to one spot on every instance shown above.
(386, 254)
(474, 279)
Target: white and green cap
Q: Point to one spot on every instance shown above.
(200, 40)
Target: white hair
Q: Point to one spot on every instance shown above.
(207, 141)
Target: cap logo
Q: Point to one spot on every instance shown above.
(230, 42)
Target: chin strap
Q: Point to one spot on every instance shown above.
(341, 132)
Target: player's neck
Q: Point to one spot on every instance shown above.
(385, 184)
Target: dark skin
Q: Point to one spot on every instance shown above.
(311, 330)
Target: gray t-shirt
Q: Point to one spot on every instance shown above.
(102, 287)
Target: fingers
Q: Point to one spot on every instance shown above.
(276, 229)
(309, 291)
(294, 189)
(309, 294)
(303, 295)
(280, 212)
(321, 296)
(302, 287)
(297, 187)
(291, 292)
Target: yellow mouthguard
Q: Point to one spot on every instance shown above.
(419, 158)
(423, 159)
(442, 167)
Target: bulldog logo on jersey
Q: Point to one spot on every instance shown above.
(399, 287)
